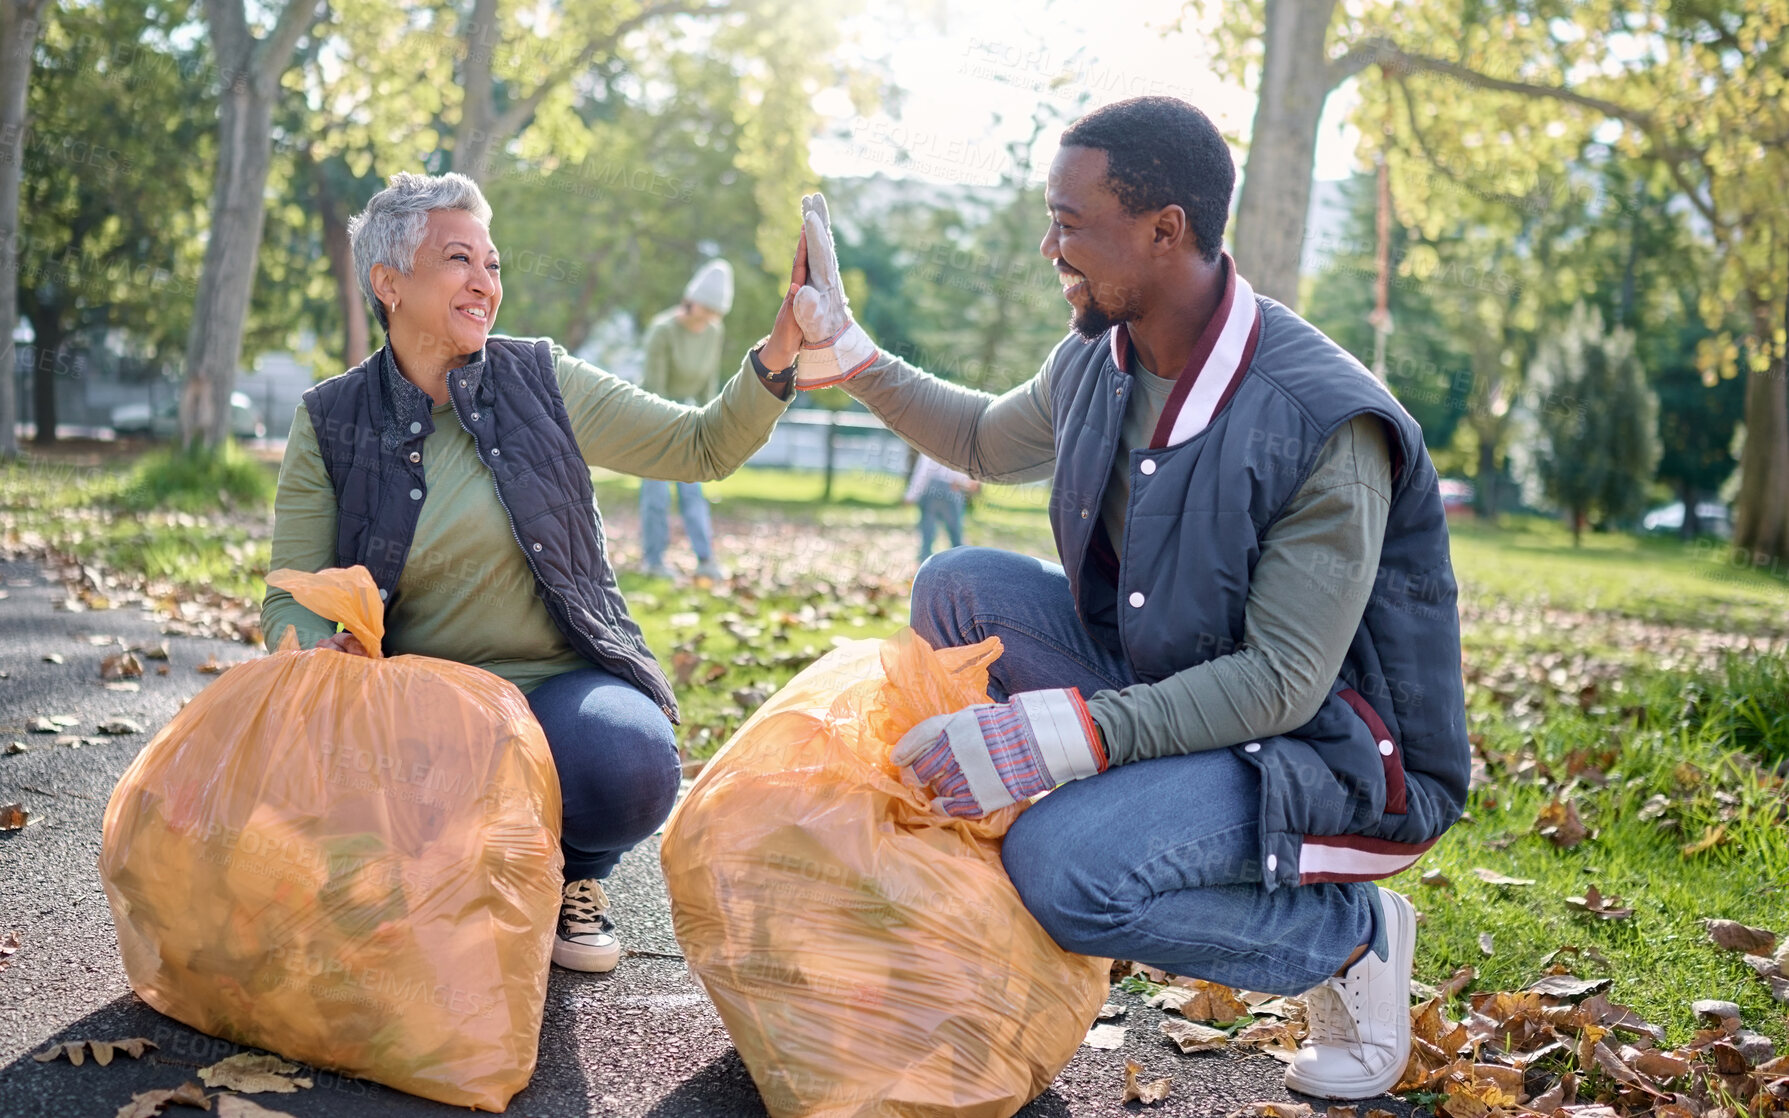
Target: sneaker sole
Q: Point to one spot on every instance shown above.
(1400, 936)
(591, 960)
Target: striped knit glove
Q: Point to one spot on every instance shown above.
(834, 348)
(983, 758)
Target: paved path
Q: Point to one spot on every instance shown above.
(643, 1042)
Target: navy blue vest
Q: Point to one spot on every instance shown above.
(510, 403)
(1380, 772)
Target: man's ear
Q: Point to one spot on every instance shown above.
(1171, 230)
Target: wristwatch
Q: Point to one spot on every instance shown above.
(768, 375)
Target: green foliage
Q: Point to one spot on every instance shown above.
(1598, 420)
(197, 480)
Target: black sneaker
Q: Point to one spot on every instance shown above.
(586, 939)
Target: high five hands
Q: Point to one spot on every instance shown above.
(834, 347)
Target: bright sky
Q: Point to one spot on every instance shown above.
(975, 72)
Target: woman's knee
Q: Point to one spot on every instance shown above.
(1069, 894)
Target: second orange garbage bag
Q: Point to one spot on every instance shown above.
(353, 862)
(868, 956)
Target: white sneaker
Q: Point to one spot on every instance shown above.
(1359, 1038)
(586, 939)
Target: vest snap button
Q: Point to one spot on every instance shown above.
(384, 594)
(415, 427)
(1148, 466)
(1252, 747)
(416, 494)
(537, 547)
(475, 415)
(495, 453)
(462, 383)
(1083, 514)
(415, 456)
(1137, 599)
(1385, 747)
(1273, 862)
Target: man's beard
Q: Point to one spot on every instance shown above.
(1092, 320)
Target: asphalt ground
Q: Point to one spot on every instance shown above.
(642, 1042)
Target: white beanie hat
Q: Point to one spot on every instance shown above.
(712, 287)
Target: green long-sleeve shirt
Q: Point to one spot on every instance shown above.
(681, 364)
(466, 592)
(1302, 609)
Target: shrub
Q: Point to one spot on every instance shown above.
(197, 480)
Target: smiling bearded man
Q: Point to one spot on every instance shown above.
(1243, 681)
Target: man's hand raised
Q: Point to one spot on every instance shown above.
(834, 348)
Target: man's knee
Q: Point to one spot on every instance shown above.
(947, 588)
(1071, 895)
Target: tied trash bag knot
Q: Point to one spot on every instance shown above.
(352, 862)
(867, 954)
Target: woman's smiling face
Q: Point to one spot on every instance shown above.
(449, 300)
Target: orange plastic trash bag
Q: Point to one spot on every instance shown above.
(353, 862)
(868, 956)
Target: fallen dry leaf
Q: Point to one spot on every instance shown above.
(121, 726)
(1711, 837)
(121, 666)
(1111, 1012)
(1146, 1093)
(1106, 1038)
(9, 946)
(1486, 944)
(210, 666)
(1595, 904)
(52, 657)
(75, 1051)
(148, 1104)
(253, 1073)
(1456, 982)
(1198, 1000)
(1559, 824)
(1492, 877)
(13, 817)
(1272, 1110)
(1734, 936)
(1568, 987)
(1191, 1037)
(1435, 879)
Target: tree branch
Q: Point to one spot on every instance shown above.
(1357, 58)
(271, 55)
(513, 118)
(1394, 57)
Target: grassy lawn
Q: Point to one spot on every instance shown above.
(1645, 683)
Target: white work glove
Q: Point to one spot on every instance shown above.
(834, 348)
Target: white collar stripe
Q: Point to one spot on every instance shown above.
(1221, 368)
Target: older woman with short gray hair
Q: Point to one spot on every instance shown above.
(453, 465)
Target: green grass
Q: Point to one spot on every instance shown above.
(1606, 657)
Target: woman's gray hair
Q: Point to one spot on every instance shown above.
(390, 229)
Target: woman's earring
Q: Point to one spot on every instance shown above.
(394, 304)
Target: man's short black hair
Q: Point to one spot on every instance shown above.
(1161, 151)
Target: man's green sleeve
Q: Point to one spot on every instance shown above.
(1306, 597)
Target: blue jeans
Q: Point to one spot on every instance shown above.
(617, 761)
(940, 504)
(655, 520)
(1157, 861)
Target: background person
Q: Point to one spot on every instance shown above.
(1242, 681)
(683, 363)
(454, 465)
(940, 492)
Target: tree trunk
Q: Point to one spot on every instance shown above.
(46, 352)
(1762, 530)
(1577, 527)
(1485, 495)
(1276, 181)
(18, 34)
(1692, 524)
(476, 137)
(251, 70)
(356, 338)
